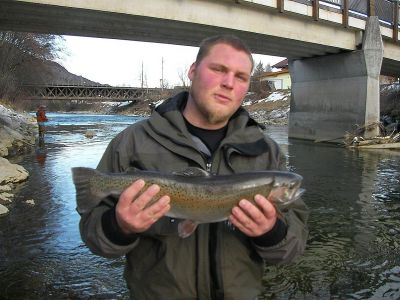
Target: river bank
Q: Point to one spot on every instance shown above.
(17, 135)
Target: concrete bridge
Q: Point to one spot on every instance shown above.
(336, 48)
(88, 93)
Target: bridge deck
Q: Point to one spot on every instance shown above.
(295, 29)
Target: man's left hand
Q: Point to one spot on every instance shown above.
(254, 220)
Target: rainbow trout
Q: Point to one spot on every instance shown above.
(196, 196)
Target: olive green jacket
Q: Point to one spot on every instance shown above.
(160, 264)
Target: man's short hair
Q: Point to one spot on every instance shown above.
(228, 39)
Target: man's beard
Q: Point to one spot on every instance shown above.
(213, 116)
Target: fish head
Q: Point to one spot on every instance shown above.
(286, 188)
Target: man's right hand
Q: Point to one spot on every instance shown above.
(131, 212)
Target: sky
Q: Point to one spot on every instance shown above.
(119, 62)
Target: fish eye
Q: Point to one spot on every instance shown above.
(276, 184)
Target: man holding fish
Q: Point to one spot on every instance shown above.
(217, 203)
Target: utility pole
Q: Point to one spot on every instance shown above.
(371, 8)
(162, 74)
(142, 80)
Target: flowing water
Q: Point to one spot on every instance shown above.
(353, 250)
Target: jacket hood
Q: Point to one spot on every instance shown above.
(167, 126)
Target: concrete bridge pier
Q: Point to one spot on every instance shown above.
(331, 94)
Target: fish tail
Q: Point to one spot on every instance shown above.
(85, 200)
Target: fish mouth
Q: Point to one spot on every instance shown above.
(298, 194)
(288, 192)
(296, 191)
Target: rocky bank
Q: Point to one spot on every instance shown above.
(17, 135)
(272, 110)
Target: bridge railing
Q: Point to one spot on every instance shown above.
(388, 11)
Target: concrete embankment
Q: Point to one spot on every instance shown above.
(17, 135)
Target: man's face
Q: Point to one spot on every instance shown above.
(219, 83)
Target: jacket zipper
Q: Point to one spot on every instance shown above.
(208, 165)
(215, 266)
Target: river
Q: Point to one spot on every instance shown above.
(353, 250)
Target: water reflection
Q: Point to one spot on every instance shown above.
(353, 196)
(353, 250)
(42, 255)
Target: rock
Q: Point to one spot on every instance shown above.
(10, 138)
(30, 202)
(6, 141)
(11, 173)
(90, 134)
(3, 210)
(6, 188)
(17, 135)
(6, 198)
(13, 119)
(16, 132)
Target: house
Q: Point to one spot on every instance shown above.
(280, 79)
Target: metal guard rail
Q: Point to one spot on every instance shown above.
(388, 11)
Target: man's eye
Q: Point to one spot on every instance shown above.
(217, 69)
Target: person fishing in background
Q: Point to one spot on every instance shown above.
(205, 128)
(41, 119)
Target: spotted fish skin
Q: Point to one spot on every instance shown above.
(195, 194)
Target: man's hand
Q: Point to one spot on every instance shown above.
(131, 212)
(254, 220)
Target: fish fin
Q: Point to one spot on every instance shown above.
(186, 228)
(85, 200)
(193, 171)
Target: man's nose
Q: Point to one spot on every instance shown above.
(228, 80)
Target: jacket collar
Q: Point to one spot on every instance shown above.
(168, 126)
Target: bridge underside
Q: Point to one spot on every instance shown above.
(63, 20)
(40, 18)
(333, 94)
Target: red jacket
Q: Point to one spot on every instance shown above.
(41, 116)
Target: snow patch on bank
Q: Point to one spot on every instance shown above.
(275, 96)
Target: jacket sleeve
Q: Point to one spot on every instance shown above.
(91, 223)
(94, 237)
(295, 216)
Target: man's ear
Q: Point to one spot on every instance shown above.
(191, 71)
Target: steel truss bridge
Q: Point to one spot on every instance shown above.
(89, 93)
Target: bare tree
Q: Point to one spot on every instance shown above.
(183, 77)
(164, 84)
(17, 49)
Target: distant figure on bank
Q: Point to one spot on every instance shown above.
(41, 118)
